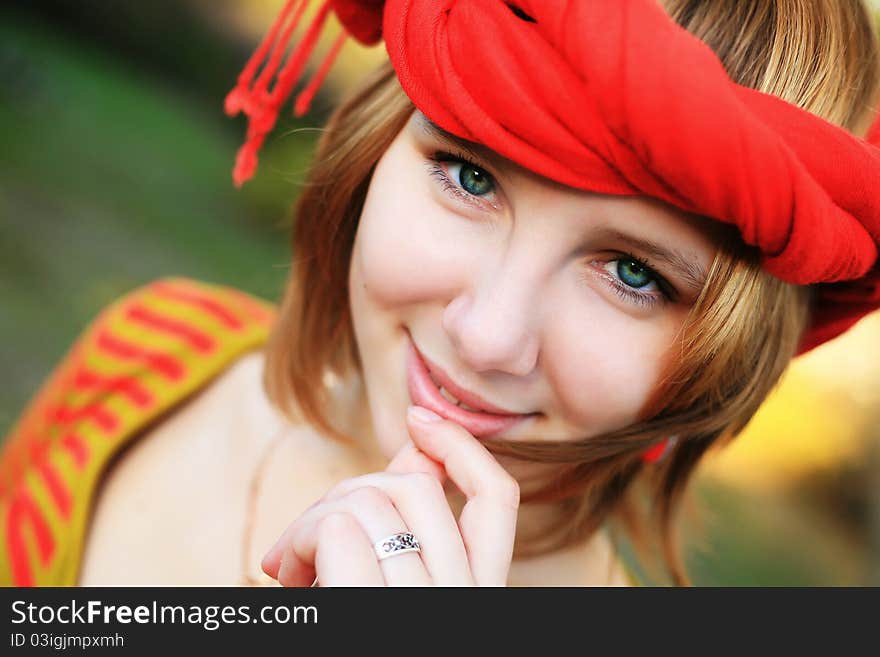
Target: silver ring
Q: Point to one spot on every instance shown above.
(396, 544)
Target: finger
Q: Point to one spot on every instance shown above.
(425, 512)
(488, 519)
(411, 459)
(378, 518)
(333, 501)
(408, 459)
(271, 561)
(422, 503)
(344, 556)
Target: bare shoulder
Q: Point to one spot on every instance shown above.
(171, 509)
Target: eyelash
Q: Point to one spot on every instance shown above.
(436, 170)
(663, 295)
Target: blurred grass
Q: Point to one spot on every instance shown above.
(747, 538)
(110, 178)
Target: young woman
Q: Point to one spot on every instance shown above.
(542, 262)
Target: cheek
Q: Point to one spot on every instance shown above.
(403, 244)
(603, 366)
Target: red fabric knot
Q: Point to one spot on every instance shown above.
(874, 132)
(616, 98)
(362, 19)
(594, 110)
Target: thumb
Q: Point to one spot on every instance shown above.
(411, 459)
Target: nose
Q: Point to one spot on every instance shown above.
(493, 326)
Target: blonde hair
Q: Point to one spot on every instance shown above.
(733, 346)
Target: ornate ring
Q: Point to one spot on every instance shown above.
(396, 544)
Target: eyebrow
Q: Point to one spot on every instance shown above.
(690, 271)
(473, 150)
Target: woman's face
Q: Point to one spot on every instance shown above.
(543, 300)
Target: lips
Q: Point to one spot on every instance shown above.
(425, 392)
(467, 398)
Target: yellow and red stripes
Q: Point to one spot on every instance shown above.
(143, 354)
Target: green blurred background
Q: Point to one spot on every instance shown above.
(115, 161)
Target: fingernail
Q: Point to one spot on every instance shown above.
(422, 414)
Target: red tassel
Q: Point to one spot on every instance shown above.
(274, 61)
(260, 105)
(239, 98)
(305, 97)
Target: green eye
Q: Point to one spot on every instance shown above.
(633, 273)
(474, 181)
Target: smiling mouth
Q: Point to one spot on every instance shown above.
(426, 390)
(448, 396)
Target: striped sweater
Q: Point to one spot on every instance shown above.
(142, 355)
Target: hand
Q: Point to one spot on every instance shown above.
(334, 538)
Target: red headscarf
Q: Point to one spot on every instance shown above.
(612, 96)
